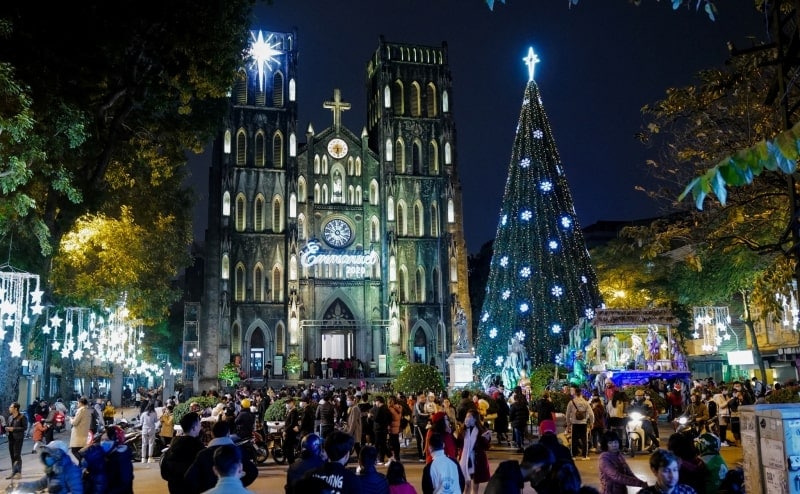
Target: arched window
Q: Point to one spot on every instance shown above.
(302, 194)
(453, 270)
(258, 283)
(451, 211)
(260, 150)
(317, 195)
(277, 214)
(417, 156)
(436, 279)
(292, 90)
(301, 227)
(430, 100)
(374, 195)
(445, 102)
(293, 268)
(358, 167)
(390, 209)
(415, 99)
(351, 195)
(241, 148)
(280, 337)
(402, 284)
(350, 166)
(226, 203)
(316, 163)
(226, 267)
(399, 157)
(292, 205)
(448, 156)
(261, 96)
(325, 199)
(227, 142)
(401, 218)
(374, 230)
(241, 88)
(397, 97)
(392, 269)
(420, 284)
(434, 219)
(337, 184)
(277, 284)
(239, 283)
(387, 97)
(359, 197)
(324, 165)
(433, 158)
(277, 90)
(277, 150)
(240, 213)
(376, 270)
(419, 220)
(258, 214)
(389, 152)
(292, 145)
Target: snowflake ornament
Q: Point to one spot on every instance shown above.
(537, 134)
(524, 307)
(525, 162)
(566, 221)
(525, 272)
(499, 360)
(485, 317)
(526, 215)
(504, 261)
(553, 245)
(506, 294)
(503, 220)
(546, 186)
(555, 328)
(520, 335)
(557, 291)
(493, 333)
(584, 279)
(589, 313)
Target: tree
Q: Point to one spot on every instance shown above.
(415, 378)
(541, 280)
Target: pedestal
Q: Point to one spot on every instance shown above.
(461, 372)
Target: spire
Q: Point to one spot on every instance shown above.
(541, 280)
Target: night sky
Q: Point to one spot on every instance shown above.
(601, 62)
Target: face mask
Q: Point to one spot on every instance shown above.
(349, 403)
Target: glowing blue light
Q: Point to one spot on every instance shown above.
(493, 333)
(499, 360)
(526, 101)
(504, 261)
(566, 221)
(556, 328)
(506, 294)
(523, 307)
(557, 291)
(553, 245)
(538, 134)
(503, 220)
(526, 215)
(589, 313)
(558, 359)
(520, 335)
(485, 317)
(546, 186)
(584, 280)
(263, 52)
(525, 272)
(525, 162)
(531, 60)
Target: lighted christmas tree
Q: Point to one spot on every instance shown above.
(541, 282)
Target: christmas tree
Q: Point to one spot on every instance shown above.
(541, 284)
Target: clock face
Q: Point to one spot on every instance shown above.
(337, 148)
(337, 233)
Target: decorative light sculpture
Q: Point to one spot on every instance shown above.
(711, 324)
(20, 295)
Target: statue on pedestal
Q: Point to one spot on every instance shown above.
(460, 326)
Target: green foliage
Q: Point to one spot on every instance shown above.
(418, 377)
(784, 395)
(542, 377)
(276, 411)
(401, 361)
(229, 374)
(293, 363)
(182, 409)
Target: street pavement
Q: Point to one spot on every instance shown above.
(272, 476)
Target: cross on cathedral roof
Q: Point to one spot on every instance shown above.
(337, 106)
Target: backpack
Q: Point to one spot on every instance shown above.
(580, 413)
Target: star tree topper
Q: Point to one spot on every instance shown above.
(531, 60)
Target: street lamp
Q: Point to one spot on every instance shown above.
(194, 356)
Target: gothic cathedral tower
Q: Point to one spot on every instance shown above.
(346, 250)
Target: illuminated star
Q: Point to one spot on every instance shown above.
(16, 348)
(36, 297)
(55, 345)
(56, 321)
(531, 60)
(264, 52)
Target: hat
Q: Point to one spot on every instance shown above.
(547, 426)
(246, 403)
(436, 417)
(58, 445)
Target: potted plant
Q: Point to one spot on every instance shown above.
(293, 366)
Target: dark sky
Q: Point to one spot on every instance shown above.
(601, 61)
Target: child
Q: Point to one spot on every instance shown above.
(39, 429)
(396, 476)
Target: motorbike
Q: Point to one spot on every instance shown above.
(59, 421)
(255, 453)
(686, 424)
(635, 433)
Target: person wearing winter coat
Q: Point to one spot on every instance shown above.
(579, 420)
(615, 473)
(181, 453)
(472, 444)
(396, 411)
(396, 477)
(61, 475)
(518, 415)
(501, 421)
(443, 475)
(510, 476)
(81, 422)
(201, 476)
(148, 419)
(372, 481)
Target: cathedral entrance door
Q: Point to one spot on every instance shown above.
(338, 332)
(420, 347)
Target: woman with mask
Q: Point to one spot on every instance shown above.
(472, 443)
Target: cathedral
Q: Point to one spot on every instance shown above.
(333, 244)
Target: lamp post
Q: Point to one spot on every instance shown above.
(194, 356)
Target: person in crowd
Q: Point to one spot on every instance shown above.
(645, 407)
(15, 430)
(167, 420)
(108, 465)
(733, 404)
(396, 478)
(465, 404)
(312, 457)
(245, 420)
(579, 420)
(664, 465)
(723, 414)
(599, 424)
(675, 402)
(708, 446)
(338, 445)
(501, 421)
(443, 475)
(201, 476)
(38, 434)
(615, 473)
(291, 429)
(510, 476)
(108, 413)
(372, 481)
(326, 414)
(396, 412)
(228, 467)
(519, 415)
(381, 418)
(697, 411)
(307, 413)
(449, 409)
(421, 419)
(440, 424)
(148, 419)
(181, 453)
(693, 472)
(472, 444)
(61, 475)
(563, 476)
(544, 408)
(81, 422)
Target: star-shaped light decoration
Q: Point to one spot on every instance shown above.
(531, 60)
(55, 345)
(16, 348)
(264, 53)
(65, 352)
(56, 321)
(45, 329)
(7, 307)
(78, 354)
